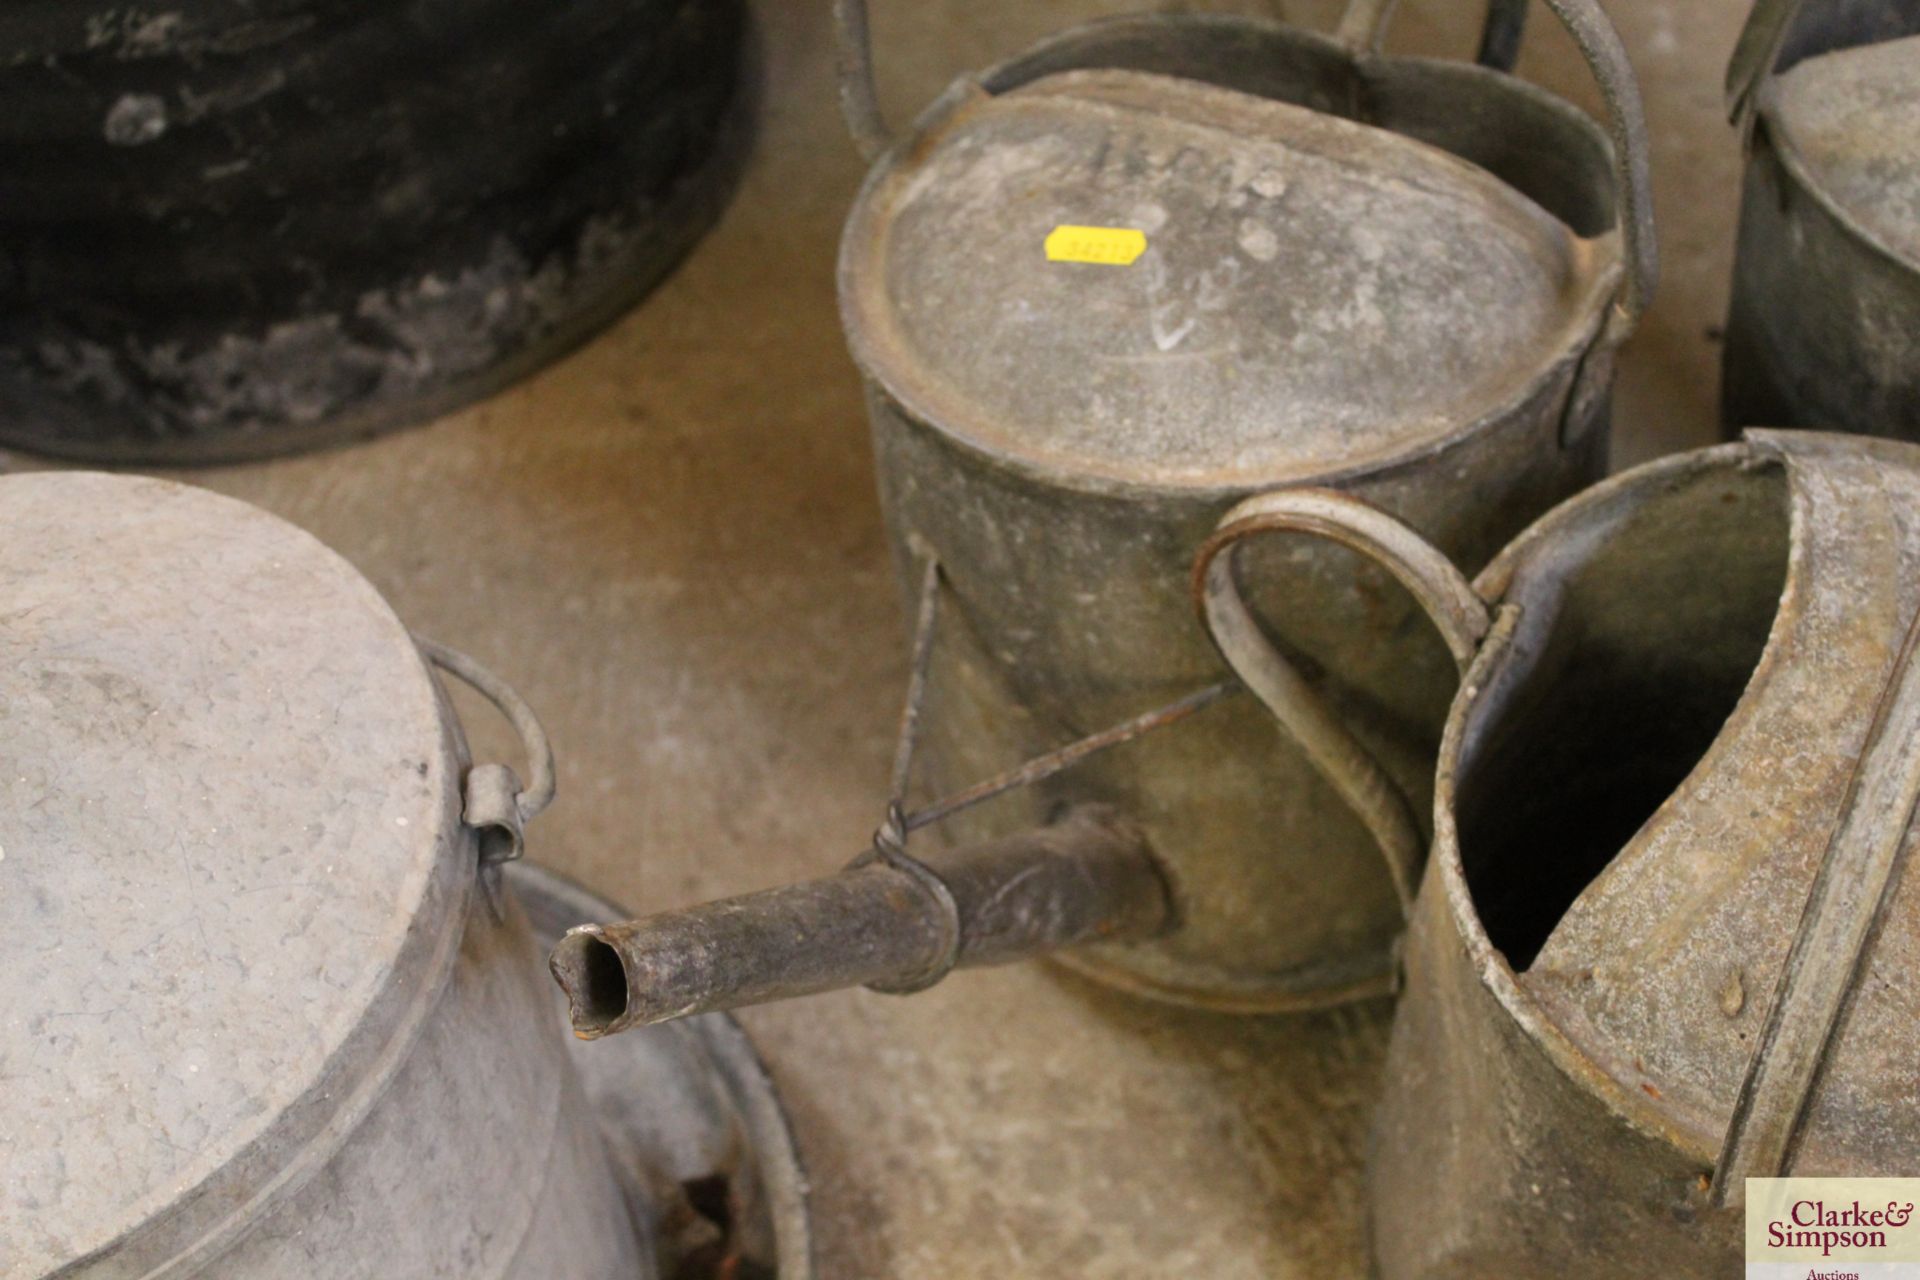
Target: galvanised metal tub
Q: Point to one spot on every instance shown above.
(270, 1010)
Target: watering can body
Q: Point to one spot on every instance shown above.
(1657, 947)
(1401, 277)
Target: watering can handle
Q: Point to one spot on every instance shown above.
(1756, 55)
(495, 804)
(1448, 598)
(860, 103)
(1364, 26)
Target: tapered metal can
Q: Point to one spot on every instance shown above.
(1107, 288)
(1663, 939)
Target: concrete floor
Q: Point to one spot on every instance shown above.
(669, 542)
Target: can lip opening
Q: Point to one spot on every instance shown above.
(594, 978)
(1607, 702)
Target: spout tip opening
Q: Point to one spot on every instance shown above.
(594, 977)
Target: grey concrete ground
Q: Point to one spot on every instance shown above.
(669, 541)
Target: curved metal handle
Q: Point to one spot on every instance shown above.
(1364, 25)
(1441, 590)
(859, 96)
(1502, 34)
(1756, 54)
(495, 804)
(860, 100)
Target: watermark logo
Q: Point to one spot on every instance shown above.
(1833, 1229)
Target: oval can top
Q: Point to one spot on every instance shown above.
(1143, 279)
(226, 802)
(1853, 118)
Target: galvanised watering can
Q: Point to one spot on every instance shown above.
(1664, 937)
(1100, 293)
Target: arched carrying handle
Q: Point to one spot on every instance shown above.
(1364, 27)
(868, 127)
(1756, 54)
(495, 805)
(1441, 589)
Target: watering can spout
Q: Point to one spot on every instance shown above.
(894, 923)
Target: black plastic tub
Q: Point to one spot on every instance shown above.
(234, 228)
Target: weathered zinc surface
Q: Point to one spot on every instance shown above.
(1662, 942)
(1403, 278)
(260, 1022)
(234, 229)
(1824, 329)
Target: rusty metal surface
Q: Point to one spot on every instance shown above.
(693, 1121)
(1088, 877)
(1824, 325)
(1063, 438)
(243, 948)
(1587, 1054)
(697, 597)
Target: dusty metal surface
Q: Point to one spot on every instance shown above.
(240, 930)
(1853, 120)
(234, 232)
(1401, 277)
(696, 594)
(1824, 327)
(1703, 981)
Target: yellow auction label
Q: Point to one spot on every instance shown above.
(1106, 246)
(1833, 1229)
